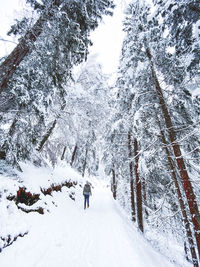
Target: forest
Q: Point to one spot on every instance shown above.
(142, 131)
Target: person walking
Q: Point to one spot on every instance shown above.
(87, 193)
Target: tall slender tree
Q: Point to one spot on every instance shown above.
(152, 83)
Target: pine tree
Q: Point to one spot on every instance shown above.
(35, 75)
(146, 63)
(80, 127)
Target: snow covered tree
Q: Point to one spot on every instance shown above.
(152, 92)
(81, 126)
(81, 16)
(36, 73)
(181, 23)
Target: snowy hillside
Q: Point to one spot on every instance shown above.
(68, 235)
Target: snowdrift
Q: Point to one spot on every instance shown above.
(30, 191)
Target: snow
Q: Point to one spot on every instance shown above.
(68, 235)
(34, 178)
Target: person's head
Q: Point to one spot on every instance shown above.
(87, 182)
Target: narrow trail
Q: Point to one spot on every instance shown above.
(73, 237)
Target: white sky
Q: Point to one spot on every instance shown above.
(9, 11)
(107, 38)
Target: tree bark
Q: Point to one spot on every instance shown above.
(130, 155)
(181, 203)
(10, 64)
(186, 251)
(63, 154)
(191, 199)
(46, 136)
(114, 185)
(50, 130)
(144, 196)
(138, 189)
(73, 155)
(85, 161)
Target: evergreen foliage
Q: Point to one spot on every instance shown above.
(39, 83)
(158, 41)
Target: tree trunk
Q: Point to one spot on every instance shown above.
(114, 185)
(138, 188)
(131, 177)
(63, 154)
(50, 130)
(181, 203)
(46, 136)
(85, 162)
(191, 198)
(144, 196)
(8, 67)
(186, 251)
(73, 155)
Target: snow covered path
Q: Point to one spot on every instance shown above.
(70, 236)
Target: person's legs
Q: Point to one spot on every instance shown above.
(88, 201)
(85, 199)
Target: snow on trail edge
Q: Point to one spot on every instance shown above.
(71, 236)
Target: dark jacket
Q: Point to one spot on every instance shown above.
(87, 190)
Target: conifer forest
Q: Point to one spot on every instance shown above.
(139, 133)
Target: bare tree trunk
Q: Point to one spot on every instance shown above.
(191, 198)
(186, 251)
(46, 136)
(131, 177)
(144, 196)
(50, 130)
(114, 184)
(10, 64)
(63, 154)
(85, 161)
(138, 189)
(73, 155)
(181, 203)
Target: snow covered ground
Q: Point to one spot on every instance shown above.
(68, 235)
